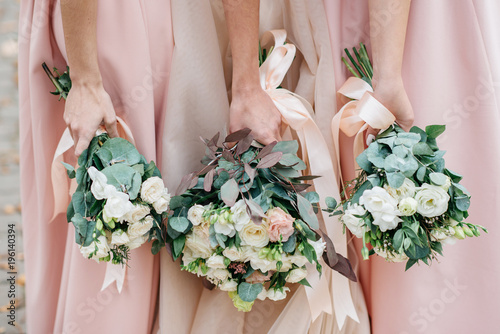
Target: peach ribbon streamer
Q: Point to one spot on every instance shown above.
(296, 113)
(62, 187)
(357, 115)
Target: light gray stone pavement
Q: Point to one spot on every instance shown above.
(10, 210)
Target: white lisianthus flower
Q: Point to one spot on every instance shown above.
(432, 200)
(161, 205)
(102, 249)
(119, 237)
(286, 264)
(240, 216)
(100, 187)
(118, 206)
(355, 224)
(406, 190)
(218, 275)
(195, 214)
(276, 294)
(234, 254)
(198, 242)
(263, 294)
(319, 246)
(140, 228)
(263, 265)
(216, 262)
(438, 235)
(451, 222)
(296, 275)
(298, 260)
(152, 189)
(137, 213)
(137, 242)
(228, 285)
(447, 184)
(383, 208)
(254, 235)
(391, 257)
(224, 225)
(187, 257)
(408, 206)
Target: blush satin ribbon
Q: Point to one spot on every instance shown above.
(62, 188)
(297, 113)
(357, 115)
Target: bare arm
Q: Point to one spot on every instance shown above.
(250, 106)
(88, 105)
(388, 22)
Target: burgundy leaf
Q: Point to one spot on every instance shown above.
(205, 141)
(343, 267)
(300, 187)
(194, 181)
(330, 255)
(255, 211)
(306, 177)
(214, 141)
(238, 135)
(244, 145)
(270, 160)
(206, 169)
(209, 179)
(228, 156)
(229, 192)
(185, 184)
(250, 171)
(266, 150)
(207, 284)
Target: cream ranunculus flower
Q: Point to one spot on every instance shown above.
(118, 206)
(355, 224)
(391, 257)
(216, 262)
(119, 237)
(152, 189)
(432, 200)
(296, 275)
(406, 190)
(137, 242)
(161, 205)
(195, 214)
(383, 208)
(100, 188)
(137, 213)
(140, 228)
(228, 285)
(102, 249)
(240, 216)
(254, 235)
(277, 294)
(408, 206)
(198, 242)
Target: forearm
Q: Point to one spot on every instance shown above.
(388, 22)
(242, 20)
(79, 20)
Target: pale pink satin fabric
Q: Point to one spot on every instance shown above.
(451, 72)
(62, 288)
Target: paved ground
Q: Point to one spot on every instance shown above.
(10, 210)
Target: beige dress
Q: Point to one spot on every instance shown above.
(198, 105)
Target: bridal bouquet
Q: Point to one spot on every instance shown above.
(120, 200)
(404, 202)
(245, 222)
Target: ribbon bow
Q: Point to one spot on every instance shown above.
(357, 115)
(296, 113)
(62, 187)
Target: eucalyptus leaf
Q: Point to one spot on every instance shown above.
(363, 162)
(422, 149)
(407, 139)
(292, 160)
(221, 179)
(409, 166)
(124, 178)
(423, 135)
(312, 197)
(365, 186)
(462, 203)
(291, 146)
(178, 246)
(249, 292)
(395, 179)
(179, 224)
(118, 150)
(306, 212)
(438, 179)
(421, 173)
(331, 203)
(70, 170)
(433, 131)
(229, 192)
(401, 151)
(290, 244)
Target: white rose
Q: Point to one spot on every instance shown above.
(234, 254)
(406, 190)
(432, 200)
(119, 237)
(263, 294)
(152, 189)
(354, 224)
(140, 228)
(408, 206)
(391, 257)
(296, 275)
(137, 242)
(118, 206)
(199, 244)
(254, 235)
(100, 187)
(195, 214)
(161, 205)
(102, 249)
(228, 285)
(319, 246)
(137, 213)
(224, 226)
(218, 275)
(382, 206)
(240, 215)
(277, 294)
(216, 262)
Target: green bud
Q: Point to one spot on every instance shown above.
(379, 234)
(378, 243)
(374, 235)
(476, 232)
(467, 231)
(368, 237)
(277, 256)
(365, 252)
(111, 224)
(263, 253)
(98, 225)
(105, 259)
(459, 232)
(94, 235)
(214, 218)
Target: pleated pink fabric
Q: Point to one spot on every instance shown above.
(135, 46)
(452, 75)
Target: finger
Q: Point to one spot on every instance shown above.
(111, 126)
(82, 144)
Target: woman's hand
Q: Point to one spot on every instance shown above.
(392, 95)
(88, 107)
(255, 110)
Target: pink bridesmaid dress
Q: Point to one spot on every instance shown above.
(452, 75)
(63, 289)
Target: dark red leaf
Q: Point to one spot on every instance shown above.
(209, 179)
(214, 141)
(330, 255)
(266, 150)
(228, 156)
(306, 177)
(254, 211)
(250, 171)
(244, 145)
(344, 267)
(185, 184)
(270, 160)
(296, 187)
(238, 135)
